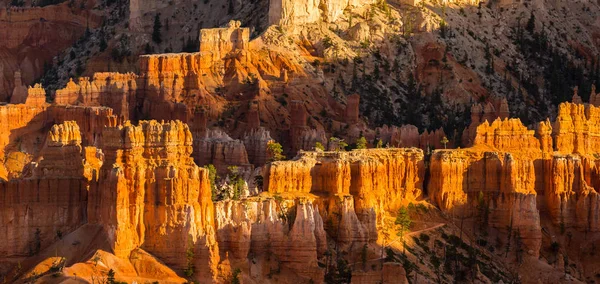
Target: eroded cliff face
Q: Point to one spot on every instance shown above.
(152, 195)
(496, 188)
(30, 43)
(51, 202)
(286, 12)
(23, 129)
(114, 90)
(217, 148)
(361, 187)
(510, 165)
(274, 235)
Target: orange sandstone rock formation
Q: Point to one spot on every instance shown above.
(217, 148)
(114, 90)
(361, 185)
(151, 195)
(464, 180)
(51, 203)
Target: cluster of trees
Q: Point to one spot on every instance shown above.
(560, 70)
(233, 190)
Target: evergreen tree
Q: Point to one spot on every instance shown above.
(319, 147)
(110, 277)
(403, 222)
(531, 24)
(361, 143)
(212, 177)
(156, 35)
(275, 151)
(103, 44)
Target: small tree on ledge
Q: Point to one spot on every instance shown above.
(361, 143)
(403, 222)
(319, 147)
(275, 151)
(340, 144)
(445, 142)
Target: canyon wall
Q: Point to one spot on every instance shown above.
(38, 210)
(32, 36)
(361, 185)
(509, 165)
(256, 230)
(151, 195)
(113, 90)
(470, 183)
(23, 127)
(217, 148)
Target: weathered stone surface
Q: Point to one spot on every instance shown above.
(219, 42)
(255, 229)
(114, 90)
(507, 135)
(361, 185)
(256, 142)
(217, 148)
(28, 42)
(37, 211)
(577, 128)
(152, 195)
(464, 180)
(286, 12)
(573, 198)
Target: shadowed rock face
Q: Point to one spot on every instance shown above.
(53, 200)
(510, 165)
(33, 36)
(141, 184)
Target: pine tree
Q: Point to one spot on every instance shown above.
(531, 24)
(110, 277)
(319, 147)
(361, 143)
(275, 151)
(403, 222)
(156, 36)
(212, 177)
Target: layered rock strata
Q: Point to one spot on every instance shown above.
(471, 183)
(217, 148)
(39, 210)
(152, 195)
(360, 185)
(286, 12)
(114, 90)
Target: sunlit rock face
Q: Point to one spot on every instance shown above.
(148, 179)
(287, 12)
(361, 185)
(464, 180)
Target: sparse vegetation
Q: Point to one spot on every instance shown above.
(361, 143)
(403, 222)
(212, 177)
(319, 147)
(275, 151)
